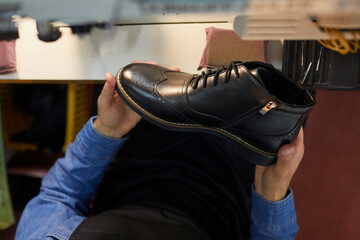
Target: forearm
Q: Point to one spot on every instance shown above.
(63, 201)
(81, 170)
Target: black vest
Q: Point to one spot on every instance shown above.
(197, 177)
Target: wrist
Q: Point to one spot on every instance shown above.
(106, 131)
(272, 195)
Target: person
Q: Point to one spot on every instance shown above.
(123, 178)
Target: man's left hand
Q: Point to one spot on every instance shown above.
(115, 118)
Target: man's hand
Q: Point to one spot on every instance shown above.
(115, 118)
(272, 182)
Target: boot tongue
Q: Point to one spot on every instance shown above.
(261, 74)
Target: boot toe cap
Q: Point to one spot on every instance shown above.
(137, 81)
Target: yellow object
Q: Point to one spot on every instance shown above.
(338, 43)
(6, 211)
(77, 111)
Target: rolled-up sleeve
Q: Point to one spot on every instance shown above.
(273, 220)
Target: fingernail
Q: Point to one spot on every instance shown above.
(288, 152)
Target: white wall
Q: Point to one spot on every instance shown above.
(90, 56)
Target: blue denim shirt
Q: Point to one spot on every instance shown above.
(66, 191)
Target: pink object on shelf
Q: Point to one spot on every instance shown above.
(223, 46)
(7, 57)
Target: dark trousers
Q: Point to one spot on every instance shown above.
(195, 176)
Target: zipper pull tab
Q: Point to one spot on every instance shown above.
(270, 105)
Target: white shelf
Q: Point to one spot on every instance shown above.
(90, 56)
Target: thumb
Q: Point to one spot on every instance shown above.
(285, 164)
(290, 155)
(286, 153)
(107, 93)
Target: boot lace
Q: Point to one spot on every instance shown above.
(216, 73)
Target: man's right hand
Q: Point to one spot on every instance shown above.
(115, 118)
(272, 182)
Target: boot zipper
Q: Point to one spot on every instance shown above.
(270, 105)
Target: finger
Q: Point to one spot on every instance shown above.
(286, 153)
(107, 93)
(133, 115)
(300, 137)
(110, 80)
(175, 69)
(139, 61)
(299, 146)
(290, 156)
(259, 172)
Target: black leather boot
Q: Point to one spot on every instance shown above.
(252, 104)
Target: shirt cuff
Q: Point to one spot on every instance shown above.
(274, 218)
(60, 234)
(102, 147)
